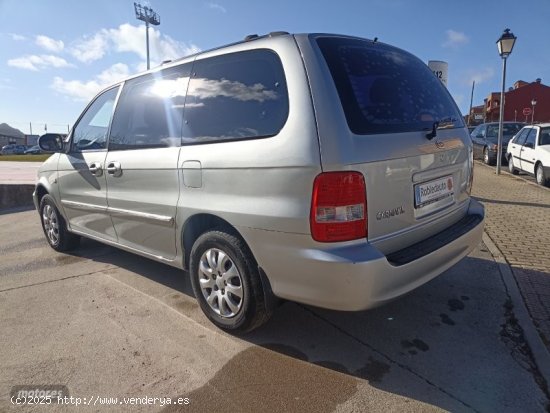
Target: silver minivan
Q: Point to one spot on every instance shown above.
(328, 170)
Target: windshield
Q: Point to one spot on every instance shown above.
(386, 90)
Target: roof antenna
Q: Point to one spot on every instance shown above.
(375, 40)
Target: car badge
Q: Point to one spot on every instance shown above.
(439, 144)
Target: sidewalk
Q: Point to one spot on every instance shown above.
(518, 222)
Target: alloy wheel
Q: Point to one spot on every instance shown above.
(220, 282)
(51, 224)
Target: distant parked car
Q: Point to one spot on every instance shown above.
(529, 151)
(485, 140)
(34, 150)
(13, 149)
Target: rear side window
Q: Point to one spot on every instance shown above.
(236, 96)
(149, 112)
(386, 90)
(544, 138)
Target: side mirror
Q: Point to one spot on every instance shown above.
(51, 142)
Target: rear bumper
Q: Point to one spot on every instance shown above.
(356, 276)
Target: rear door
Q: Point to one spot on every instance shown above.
(141, 165)
(527, 153)
(397, 124)
(81, 178)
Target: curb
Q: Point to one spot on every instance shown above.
(538, 349)
(15, 196)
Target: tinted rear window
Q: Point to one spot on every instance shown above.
(508, 129)
(386, 90)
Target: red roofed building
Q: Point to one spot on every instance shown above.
(518, 100)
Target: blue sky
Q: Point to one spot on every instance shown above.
(56, 54)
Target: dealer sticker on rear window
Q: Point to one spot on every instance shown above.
(433, 191)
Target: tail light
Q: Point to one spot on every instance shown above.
(338, 207)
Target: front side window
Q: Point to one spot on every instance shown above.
(149, 112)
(530, 140)
(236, 96)
(385, 90)
(520, 138)
(91, 131)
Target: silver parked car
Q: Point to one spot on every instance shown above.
(329, 170)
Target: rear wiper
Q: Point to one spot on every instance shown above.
(433, 133)
(440, 124)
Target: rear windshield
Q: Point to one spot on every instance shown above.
(386, 90)
(508, 130)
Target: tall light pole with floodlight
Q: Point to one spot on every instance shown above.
(533, 104)
(147, 15)
(505, 45)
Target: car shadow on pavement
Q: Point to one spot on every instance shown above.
(450, 344)
(501, 202)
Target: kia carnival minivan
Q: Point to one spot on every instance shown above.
(328, 170)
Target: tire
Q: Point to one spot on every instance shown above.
(486, 157)
(511, 168)
(54, 226)
(540, 176)
(221, 261)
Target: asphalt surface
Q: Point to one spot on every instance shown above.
(109, 324)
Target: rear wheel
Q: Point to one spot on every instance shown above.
(54, 226)
(226, 282)
(540, 176)
(511, 168)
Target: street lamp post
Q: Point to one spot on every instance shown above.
(505, 45)
(147, 15)
(533, 104)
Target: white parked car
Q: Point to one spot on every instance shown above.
(529, 151)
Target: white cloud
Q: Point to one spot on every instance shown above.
(455, 39)
(38, 62)
(89, 49)
(480, 76)
(217, 7)
(49, 44)
(131, 39)
(85, 90)
(17, 37)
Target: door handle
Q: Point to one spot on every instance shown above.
(95, 169)
(114, 169)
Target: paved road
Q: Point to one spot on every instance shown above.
(518, 221)
(110, 324)
(18, 172)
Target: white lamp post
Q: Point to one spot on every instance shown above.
(533, 104)
(505, 45)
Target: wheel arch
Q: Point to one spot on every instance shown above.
(198, 224)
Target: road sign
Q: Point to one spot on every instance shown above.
(526, 111)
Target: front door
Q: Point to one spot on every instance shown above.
(142, 161)
(528, 152)
(81, 178)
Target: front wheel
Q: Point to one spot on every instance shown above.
(541, 177)
(54, 226)
(226, 282)
(486, 157)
